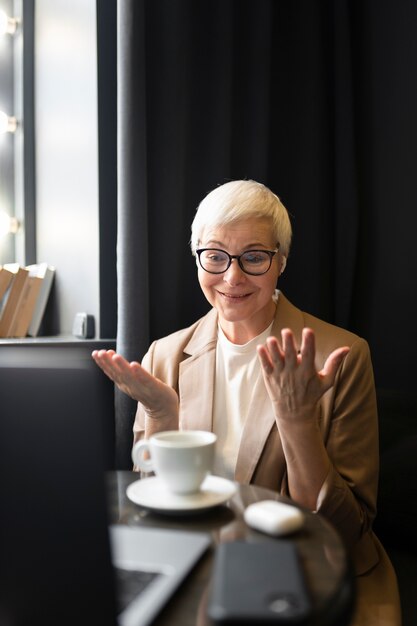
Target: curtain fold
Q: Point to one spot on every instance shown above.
(132, 222)
(346, 209)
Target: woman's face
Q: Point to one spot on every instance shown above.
(244, 302)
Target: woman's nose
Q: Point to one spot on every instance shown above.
(234, 273)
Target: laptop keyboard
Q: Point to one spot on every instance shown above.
(130, 584)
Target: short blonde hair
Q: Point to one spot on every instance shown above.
(239, 200)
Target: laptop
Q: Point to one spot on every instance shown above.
(60, 561)
(150, 564)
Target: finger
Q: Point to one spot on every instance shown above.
(102, 355)
(271, 356)
(101, 358)
(308, 348)
(289, 348)
(111, 363)
(121, 368)
(138, 374)
(275, 351)
(332, 364)
(109, 371)
(265, 359)
(118, 361)
(98, 354)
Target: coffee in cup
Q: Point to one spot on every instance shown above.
(180, 458)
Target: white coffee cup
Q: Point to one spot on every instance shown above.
(180, 458)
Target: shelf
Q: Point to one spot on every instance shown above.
(58, 340)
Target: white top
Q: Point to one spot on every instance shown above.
(238, 374)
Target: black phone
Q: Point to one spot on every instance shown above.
(258, 582)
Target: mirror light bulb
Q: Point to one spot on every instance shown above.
(8, 224)
(7, 124)
(8, 25)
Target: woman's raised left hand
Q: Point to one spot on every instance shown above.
(292, 381)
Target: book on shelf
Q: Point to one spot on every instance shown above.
(11, 298)
(46, 273)
(23, 314)
(5, 280)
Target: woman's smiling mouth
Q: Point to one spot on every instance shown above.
(236, 296)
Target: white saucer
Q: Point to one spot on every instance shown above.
(152, 494)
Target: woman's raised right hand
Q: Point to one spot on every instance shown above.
(157, 398)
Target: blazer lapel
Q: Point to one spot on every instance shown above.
(196, 377)
(255, 432)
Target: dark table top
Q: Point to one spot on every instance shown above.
(320, 549)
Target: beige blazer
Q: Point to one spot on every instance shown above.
(348, 421)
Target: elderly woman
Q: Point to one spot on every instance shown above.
(291, 398)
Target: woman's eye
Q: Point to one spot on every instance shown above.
(215, 258)
(254, 258)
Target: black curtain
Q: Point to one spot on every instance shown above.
(315, 98)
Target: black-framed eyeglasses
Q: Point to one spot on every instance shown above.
(253, 262)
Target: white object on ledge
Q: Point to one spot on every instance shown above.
(273, 517)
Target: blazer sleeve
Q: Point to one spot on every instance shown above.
(348, 494)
